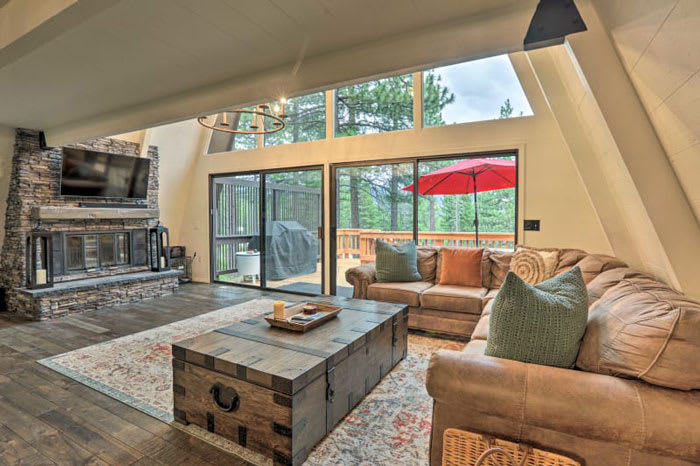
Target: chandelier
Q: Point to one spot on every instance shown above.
(260, 115)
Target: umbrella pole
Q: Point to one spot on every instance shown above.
(476, 212)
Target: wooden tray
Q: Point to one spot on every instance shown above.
(289, 312)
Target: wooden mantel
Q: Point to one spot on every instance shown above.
(92, 213)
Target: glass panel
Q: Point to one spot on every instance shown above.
(236, 229)
(222, 141)
(122, 248)
(74, 252)
(293, 203)
(375, 106)
(306, 120)
(107, 250)
(446, 214)
(91, 258)
(478, 90)
(371, 204)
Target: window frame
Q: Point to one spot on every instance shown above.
(334, 102)
(422, 95)
(333, 193)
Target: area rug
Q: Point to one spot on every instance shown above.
(390, 426)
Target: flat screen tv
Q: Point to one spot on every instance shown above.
(87, 173)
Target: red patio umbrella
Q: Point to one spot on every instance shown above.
(468, 176)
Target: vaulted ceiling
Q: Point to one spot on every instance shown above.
(126, 53)
(658, 42)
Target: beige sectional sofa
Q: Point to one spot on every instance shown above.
(455, 310)
(633, 398)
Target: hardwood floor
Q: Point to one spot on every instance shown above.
(47, 418)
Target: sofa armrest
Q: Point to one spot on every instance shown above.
(360, 278)
(583, 404)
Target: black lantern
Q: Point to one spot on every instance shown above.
(39, 259)
(159, 245)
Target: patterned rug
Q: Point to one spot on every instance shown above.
(390, 426)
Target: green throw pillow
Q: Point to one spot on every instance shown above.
(397, 263)
(540, 324)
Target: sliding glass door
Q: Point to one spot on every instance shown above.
(286, 253)
(236, 229)
(450, 213)
(467, 201)
(293, 240)
(371, 203)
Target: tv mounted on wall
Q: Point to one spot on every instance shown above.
(87, 173)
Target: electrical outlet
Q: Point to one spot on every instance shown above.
(531, 225)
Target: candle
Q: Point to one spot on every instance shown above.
(41, 276)
(162, 262)
(279, 310)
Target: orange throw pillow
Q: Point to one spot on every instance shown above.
(461, 266)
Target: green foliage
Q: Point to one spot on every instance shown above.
(306, 120)
(506, 109)
(435, 98)
(375, 106)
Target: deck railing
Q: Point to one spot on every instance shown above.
(357, 242)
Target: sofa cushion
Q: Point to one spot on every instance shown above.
(534, 265)
(481, 331)
(489, 296)
(396, 263)
(454, 298)
(540, 324)
(499, 265)
(427, 263)
(488, 307)
(485, 267)
(568, 258)
(606, 280)
(398, 292)
(642, 328)
(461, 266)
(475, 347)
(592, 265)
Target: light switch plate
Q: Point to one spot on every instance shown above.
(531, 225)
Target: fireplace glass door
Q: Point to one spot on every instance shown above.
(74, 252)
(122, 248)
(107, 250)
(91, 257)
(97, 250)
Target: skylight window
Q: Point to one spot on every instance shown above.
(479, 90)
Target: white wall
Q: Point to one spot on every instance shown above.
(7, 144)
(550, 187)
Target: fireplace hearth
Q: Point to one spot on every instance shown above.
(92, 254)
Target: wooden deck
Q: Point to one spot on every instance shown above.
(46, 418)
(343, 265)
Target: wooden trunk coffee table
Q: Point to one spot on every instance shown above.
(279, 392)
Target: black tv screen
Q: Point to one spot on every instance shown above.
(87, 173)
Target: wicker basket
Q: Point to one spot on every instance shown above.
(463, 448)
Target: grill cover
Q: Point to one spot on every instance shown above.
(290, 250)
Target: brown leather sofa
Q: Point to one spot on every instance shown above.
(597, 416)
(446, 309)
(615, 408)
(455, 310)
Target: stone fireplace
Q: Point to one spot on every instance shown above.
(100, 251)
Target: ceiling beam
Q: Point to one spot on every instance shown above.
(28, 24)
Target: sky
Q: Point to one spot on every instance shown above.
(480, 88)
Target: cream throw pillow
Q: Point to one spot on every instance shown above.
(534, 265)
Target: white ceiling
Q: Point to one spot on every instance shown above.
(138, 51)
(658, 42)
